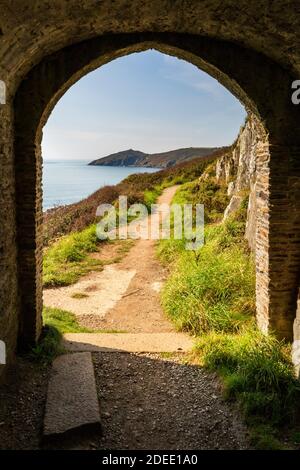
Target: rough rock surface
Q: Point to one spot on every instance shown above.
(238, 169)
(72, 400)
(233, 205)
(128, 342)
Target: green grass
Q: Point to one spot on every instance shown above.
(56, 323)
(151, 195)
(139, 188)
(257, 371)
(79, 295)
(68, 259)
(63, 321)
(212, 289)
(211, 294)
(205, 191)
(265, 437)
(66, 322)
(48, 347)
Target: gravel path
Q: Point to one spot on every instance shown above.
(150, 402)
(124, 296)
(146, 402)
(156, 403)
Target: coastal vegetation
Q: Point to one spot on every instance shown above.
(168, 159)
(209, 293)
(142, 187)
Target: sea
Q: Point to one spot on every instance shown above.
(69, 181)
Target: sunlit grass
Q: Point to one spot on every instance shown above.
(212, 289)
(66, 322)
(68, 259)
(211, 294)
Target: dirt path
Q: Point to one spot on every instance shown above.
(156, 402)
(122, 297)
(147, 400)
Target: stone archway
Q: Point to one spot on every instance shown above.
(41, 55)
(48, 81)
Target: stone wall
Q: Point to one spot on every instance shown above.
(8, 250)
(246, 169)
(238, 169)
(252, 50)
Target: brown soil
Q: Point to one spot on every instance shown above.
(147, 401)
(119, 301)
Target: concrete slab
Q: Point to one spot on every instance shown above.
(128, 342)
(72, 400)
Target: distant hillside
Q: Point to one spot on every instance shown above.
(158, 160)
(62, 220)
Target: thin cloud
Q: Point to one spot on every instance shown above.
(189, 75)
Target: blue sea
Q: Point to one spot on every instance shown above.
(69, 181)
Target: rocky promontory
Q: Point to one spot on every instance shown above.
(137, 158)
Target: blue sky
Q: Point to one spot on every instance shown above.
(147, 101)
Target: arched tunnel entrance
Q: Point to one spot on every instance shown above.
(253, 79)
(252, 48)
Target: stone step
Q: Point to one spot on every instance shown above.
(128, 342)
(72, 401)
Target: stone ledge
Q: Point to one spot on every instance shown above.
(72, 400)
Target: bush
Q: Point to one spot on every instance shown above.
(48, 347)
(67, 259)
(208, 192)
(75, 217)
(211, 293)
(141, 187)
(257, 370)
(212, 289)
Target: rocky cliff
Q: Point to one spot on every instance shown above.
(156, 160)
(238, 168)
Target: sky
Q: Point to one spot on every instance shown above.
(147, 101)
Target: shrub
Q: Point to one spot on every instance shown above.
(141, 187)
(212, 289)
(257, 370)
(48, 347)
(67, 259)
(208, 192)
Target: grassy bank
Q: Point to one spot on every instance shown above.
(56, 323)
(70, 231)
(141, 188)
(211, 294)
(257, 373)
(68, 258)
(71, 257)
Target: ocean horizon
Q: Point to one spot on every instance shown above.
(70, 181)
